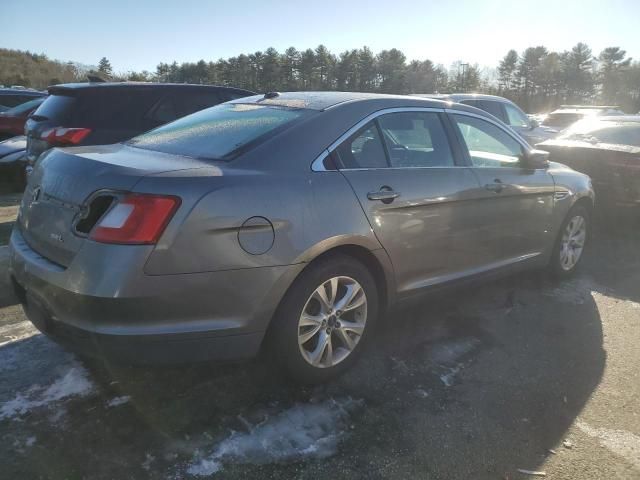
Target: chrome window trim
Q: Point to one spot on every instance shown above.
(318, 166)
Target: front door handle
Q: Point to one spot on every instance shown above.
(385, 195)
(496, 187)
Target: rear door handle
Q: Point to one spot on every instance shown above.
(497, 186)
(385, 195)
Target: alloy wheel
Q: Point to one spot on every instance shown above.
(572, 243)
(332, 322)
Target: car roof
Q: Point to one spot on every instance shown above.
(619, 118)
(22, 92)
(457, 97)
(326, 100)
(138, 85)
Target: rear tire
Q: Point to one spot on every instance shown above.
(325, 320)
(572, 240)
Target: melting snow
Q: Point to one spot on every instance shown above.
(449, 378)
(303, 431)
(117, 401)
(449, 352)
(74, 382)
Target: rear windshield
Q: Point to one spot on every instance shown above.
(220, 132)
(24, 107)
(620, 133)
(561, 120)
(56, 107)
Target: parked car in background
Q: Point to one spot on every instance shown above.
(608, 150)
(567, 115)
(294, 218)
(12, 97)
(13, 162)
(505, 110)
(12, 120)
(104, 113)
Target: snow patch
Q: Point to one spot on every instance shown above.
(620, 442)
(303, 431)
(450, 351)
(575, 291)
(13, 332)
(74, 382)
(117, 401)
(449, 378)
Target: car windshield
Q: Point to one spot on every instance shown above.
(621, 133)
(219, 132)
(24, 107)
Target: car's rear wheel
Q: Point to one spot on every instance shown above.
(571, 243)
(325, 319)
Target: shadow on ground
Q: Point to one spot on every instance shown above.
(476, 383)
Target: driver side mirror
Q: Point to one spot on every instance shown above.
(535, 159)
(533, 123)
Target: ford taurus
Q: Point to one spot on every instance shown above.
(291, 220)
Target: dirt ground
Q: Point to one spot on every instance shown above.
(518, 374)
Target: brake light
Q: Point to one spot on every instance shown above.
(60, 136)
(136, 219)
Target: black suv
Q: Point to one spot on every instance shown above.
(104, 113)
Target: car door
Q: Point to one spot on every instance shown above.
(406, 175)
(517, 202)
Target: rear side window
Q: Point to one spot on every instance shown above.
(364, 149)
(494, 108)
(56, 108)
(175, 105)
(416, 139)
(218, 133)
(114, 109)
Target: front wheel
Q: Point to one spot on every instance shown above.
(325, 319)
(571, 242)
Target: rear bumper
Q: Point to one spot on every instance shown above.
(109, 308)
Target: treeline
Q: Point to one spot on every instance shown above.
(537, 79)
(35, 70)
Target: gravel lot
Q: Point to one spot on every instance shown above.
(522, 373)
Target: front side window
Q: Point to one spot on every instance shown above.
(363, 149)
(219, 132)
(415, 139)
(488, 145)
(515, 117)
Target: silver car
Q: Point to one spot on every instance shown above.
(507, 111)
(291, 220)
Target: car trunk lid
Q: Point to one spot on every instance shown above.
(65, 184)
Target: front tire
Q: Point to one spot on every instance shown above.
(571, 242)
(325, 319)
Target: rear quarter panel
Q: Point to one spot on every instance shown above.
(310, 212)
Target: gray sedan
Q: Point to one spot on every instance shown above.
(286, 220)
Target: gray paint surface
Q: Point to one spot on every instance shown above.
(199, 279)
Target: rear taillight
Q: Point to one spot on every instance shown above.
(62, 136)
(136, 219)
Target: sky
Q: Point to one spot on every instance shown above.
(138, 34)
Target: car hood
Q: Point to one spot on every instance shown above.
(13, 145)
